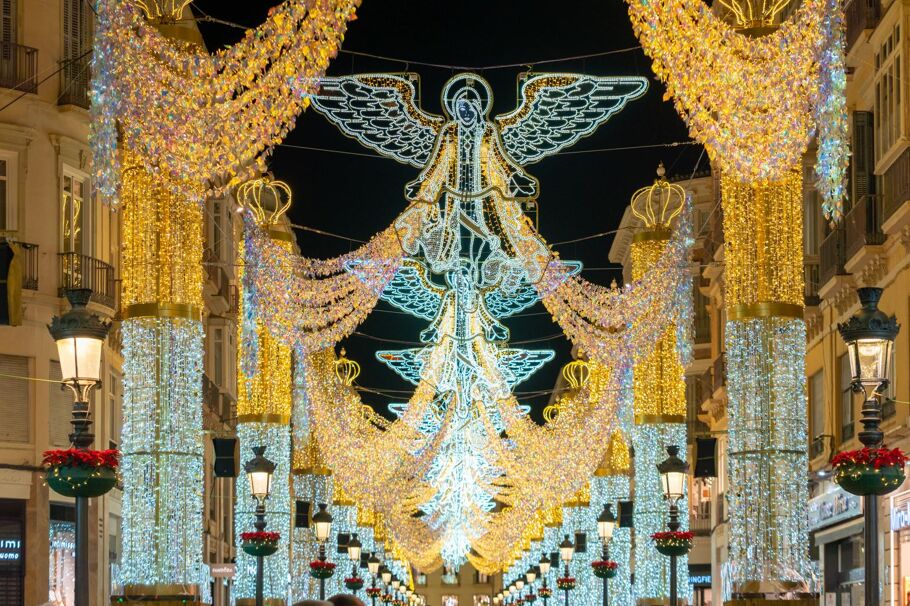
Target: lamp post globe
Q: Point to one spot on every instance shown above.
(544, 565)
(259, 471)
(869, 336)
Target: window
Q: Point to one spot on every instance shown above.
(14, 405)
(115, 408)
(73, 214)
(888, 103)
(846, 398)
(9, 205)
(812, 212)
(8, 25)
(60, 400)
(816, 412)
(77, 42)
(218, 356)
(450, 600)
(481, 599)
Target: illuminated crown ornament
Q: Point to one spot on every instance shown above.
(267, 198)
(346, 370)
(551, 412)
(162, 10)
(659, 204)
(755, 17)
(576, 373)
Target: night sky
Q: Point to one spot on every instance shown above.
(580, 193)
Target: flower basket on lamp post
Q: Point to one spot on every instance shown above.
(321, 570)
(673, 543)
(545, 592)
(76, 472)
(565, 583)
(353, 583)
(869, 471)
(604, 569)
(374, 592)
(530, 598)
(259, 543)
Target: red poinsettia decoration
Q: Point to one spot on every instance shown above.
(545, 592)
(74, 457)
(374, 592)
(566, 583)
(676, 535)
(876, 457)
(260, 537)
(320, 565)
(608, 564)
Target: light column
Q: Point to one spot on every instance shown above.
(162, 449)
(264, 412)
(312, 482)
(659, 393)
(611, 484)
(765, 340)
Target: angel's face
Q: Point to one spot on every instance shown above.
(467, 113)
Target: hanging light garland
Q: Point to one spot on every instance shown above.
(206, 122)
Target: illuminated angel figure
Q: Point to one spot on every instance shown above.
(468, 153)
(465, 223)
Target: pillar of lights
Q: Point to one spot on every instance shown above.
(162, 399)
(344, 512)
(765, 340)
(610, 485)
(578, 519)
(264, 395)
(659, 394)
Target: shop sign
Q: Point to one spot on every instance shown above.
(222, 571)
(10, 550)
(832, 507)
(900, 516)
(699, 579)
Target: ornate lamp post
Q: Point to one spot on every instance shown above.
(355, 548)
(566, 551)
(373, 568)
(673, 474)
(79, 335)
(322, 522)
(544, 566)
(259, 472)
(870, 336)
(530, 577)
(606, 523)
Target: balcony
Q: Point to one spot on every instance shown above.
(29, 261)
(811, 272)
(82, 271)
(896, 182)
(75, 78)
(18, 67)
(700, 521)
(863, 225)
(720, 371)
(860, 15)
(833, 252)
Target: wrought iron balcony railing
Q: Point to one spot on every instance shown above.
(18, 67)
(860, 15)
(75, 80)
(833, 252)
(863, 224)
(81, 271)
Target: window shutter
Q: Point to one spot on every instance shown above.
(61, 407)
(8, 21)
(863, 158)
(14, 409)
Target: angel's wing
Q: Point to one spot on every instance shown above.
(380, 111)
(411, 290)
(556, 110)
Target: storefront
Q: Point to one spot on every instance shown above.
(700, 580)
(12, 552)
(897, 544)
(835, 521)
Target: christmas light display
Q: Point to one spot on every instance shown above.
(462, 442)
(754, 100)
(224, 111)
(162, 450)
(264, 403)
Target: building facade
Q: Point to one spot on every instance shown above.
(56, 233)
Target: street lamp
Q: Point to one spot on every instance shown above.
(386, 576)
(566, 551)
(373, 568)
(673, 474)
(355, 547)
(79, 335)
(606, 523)
(544, 566)
(869, 336)
(259, 472)
(322, 523)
